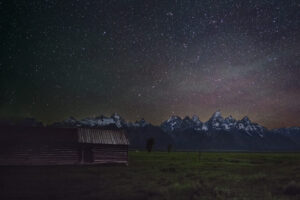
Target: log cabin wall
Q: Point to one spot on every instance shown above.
(62, 146)
(104, 145)
(38, 146)
(39, 155)
(110, 153)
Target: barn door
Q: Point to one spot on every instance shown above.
(88, 155)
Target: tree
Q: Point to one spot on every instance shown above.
(149, 145)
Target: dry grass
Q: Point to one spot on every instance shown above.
(162, 175)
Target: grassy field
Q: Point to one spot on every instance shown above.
(162, 175)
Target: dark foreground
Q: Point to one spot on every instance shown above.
(158, 175)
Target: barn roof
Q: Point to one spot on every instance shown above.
(101, 136)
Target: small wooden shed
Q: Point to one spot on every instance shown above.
(62, 146)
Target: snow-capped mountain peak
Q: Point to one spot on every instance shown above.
(215, 121)
(186, 132)
(217, 114)
(173, 123)
(246, 120)
(173, 118)
(176, 124)
(115, 116)
(230, 119)
(196, 120)
(98, 121)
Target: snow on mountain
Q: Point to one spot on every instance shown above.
(118, 121)
(215, 123)
(98, 121)
(190, 133)
(187, 122)
(113, 120)
(196, 120)
(251, 128)
(204, 127)
(173, 123)
(103, 121)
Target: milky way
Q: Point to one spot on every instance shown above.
(151, 59)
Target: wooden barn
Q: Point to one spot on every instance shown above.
(62, 146)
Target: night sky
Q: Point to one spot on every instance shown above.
(151, 59)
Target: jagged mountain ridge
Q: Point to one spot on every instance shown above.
(174, 123)
(100, 121)
(217, 133)
(215, 123)
(220, 133)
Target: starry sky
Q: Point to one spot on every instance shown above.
(151, 59)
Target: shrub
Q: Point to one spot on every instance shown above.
(149, 145)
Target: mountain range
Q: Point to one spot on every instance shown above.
(190, 134)
(218, 133)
